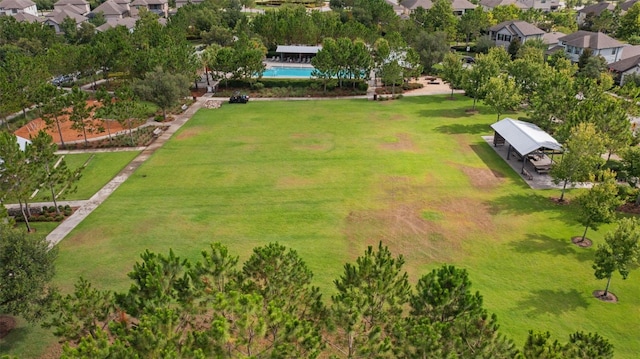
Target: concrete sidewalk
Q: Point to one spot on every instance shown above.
(86, 207)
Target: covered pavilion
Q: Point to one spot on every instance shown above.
(528, 142)
(296, 53)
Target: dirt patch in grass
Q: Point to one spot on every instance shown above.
(411, 224)
(293, 182)
(53, 351)
(403, 143)
(609, 298)
(188, 133)
(483, 178)
(312, 141)
(397, 117)
(582, 243)
(7, 324)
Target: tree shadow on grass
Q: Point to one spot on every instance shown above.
(494, 162)
(550, 301)
(540, 243)
(17, 335)
(528, 203)
(459, 128)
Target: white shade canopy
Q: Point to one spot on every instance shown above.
(525, 137)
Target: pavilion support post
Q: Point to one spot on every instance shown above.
(509, 152)
(524, 162)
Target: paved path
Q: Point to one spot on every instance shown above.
(86, 207)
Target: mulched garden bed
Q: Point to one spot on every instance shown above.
(610, 298)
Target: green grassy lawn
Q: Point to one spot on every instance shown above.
(100, 169)
(328, 178)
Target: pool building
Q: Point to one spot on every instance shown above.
(295, 53)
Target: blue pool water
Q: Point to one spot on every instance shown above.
(288, 72)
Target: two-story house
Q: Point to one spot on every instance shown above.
(111, 10)
(159, 7)
(593, 10)
(14, 7)
(505, 32)
(460, 7)
(599, 43)
(82, 6)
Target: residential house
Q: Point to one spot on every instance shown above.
(552, 39)
(489, 5)
(181, 3)
(57, 17)
(82, 6)
(544, 5)
(505, 32)
(599, 43)
(459, 6)
(625, 6)
(128, 22)
(593, 10)
(111, 10)
(14, 7)
(24, 17)
(159, 7)
(397, 8)
(624, 68)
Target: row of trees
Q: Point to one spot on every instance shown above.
(268, 308)
(35, 168)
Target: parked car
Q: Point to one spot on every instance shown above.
(468, 60)
(62, 80)
(238, 98)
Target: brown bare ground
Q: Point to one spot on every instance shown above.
(7, 324)
(53, 351)
(410, 223)
(483, 178)
(404, 143)
(293, 182)
(188, 133)
(68, 134)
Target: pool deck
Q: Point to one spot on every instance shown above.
(271, 64)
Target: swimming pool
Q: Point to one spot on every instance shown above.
(288, 72)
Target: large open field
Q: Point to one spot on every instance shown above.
(328, 178)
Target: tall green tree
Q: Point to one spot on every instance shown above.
(452, 71)
(54, 175)
(597, 206)
(18, 182)
(473, 23)
(580, 346)
(477, 77)
(370, 298)
(26, 270)
(581, 157)
(619, 253)
(80, 114)
(440, 18)
(629, 23)
(502, 94)
(163, 88)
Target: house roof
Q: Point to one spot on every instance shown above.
(493, 3)
(127, 22)
(630, 51)
(71, 2)
(396, 6)
(552, 38)
(414, 4)
(290, 49)
(139, 3)
(110, 7)
(157, 2)
(625, 6)
(523, 27)
(597, 8)
(592, 40)
(525, 137)
(57, 16)
(25, 17)
(16, 4)
(626, 64)
(461, 5)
